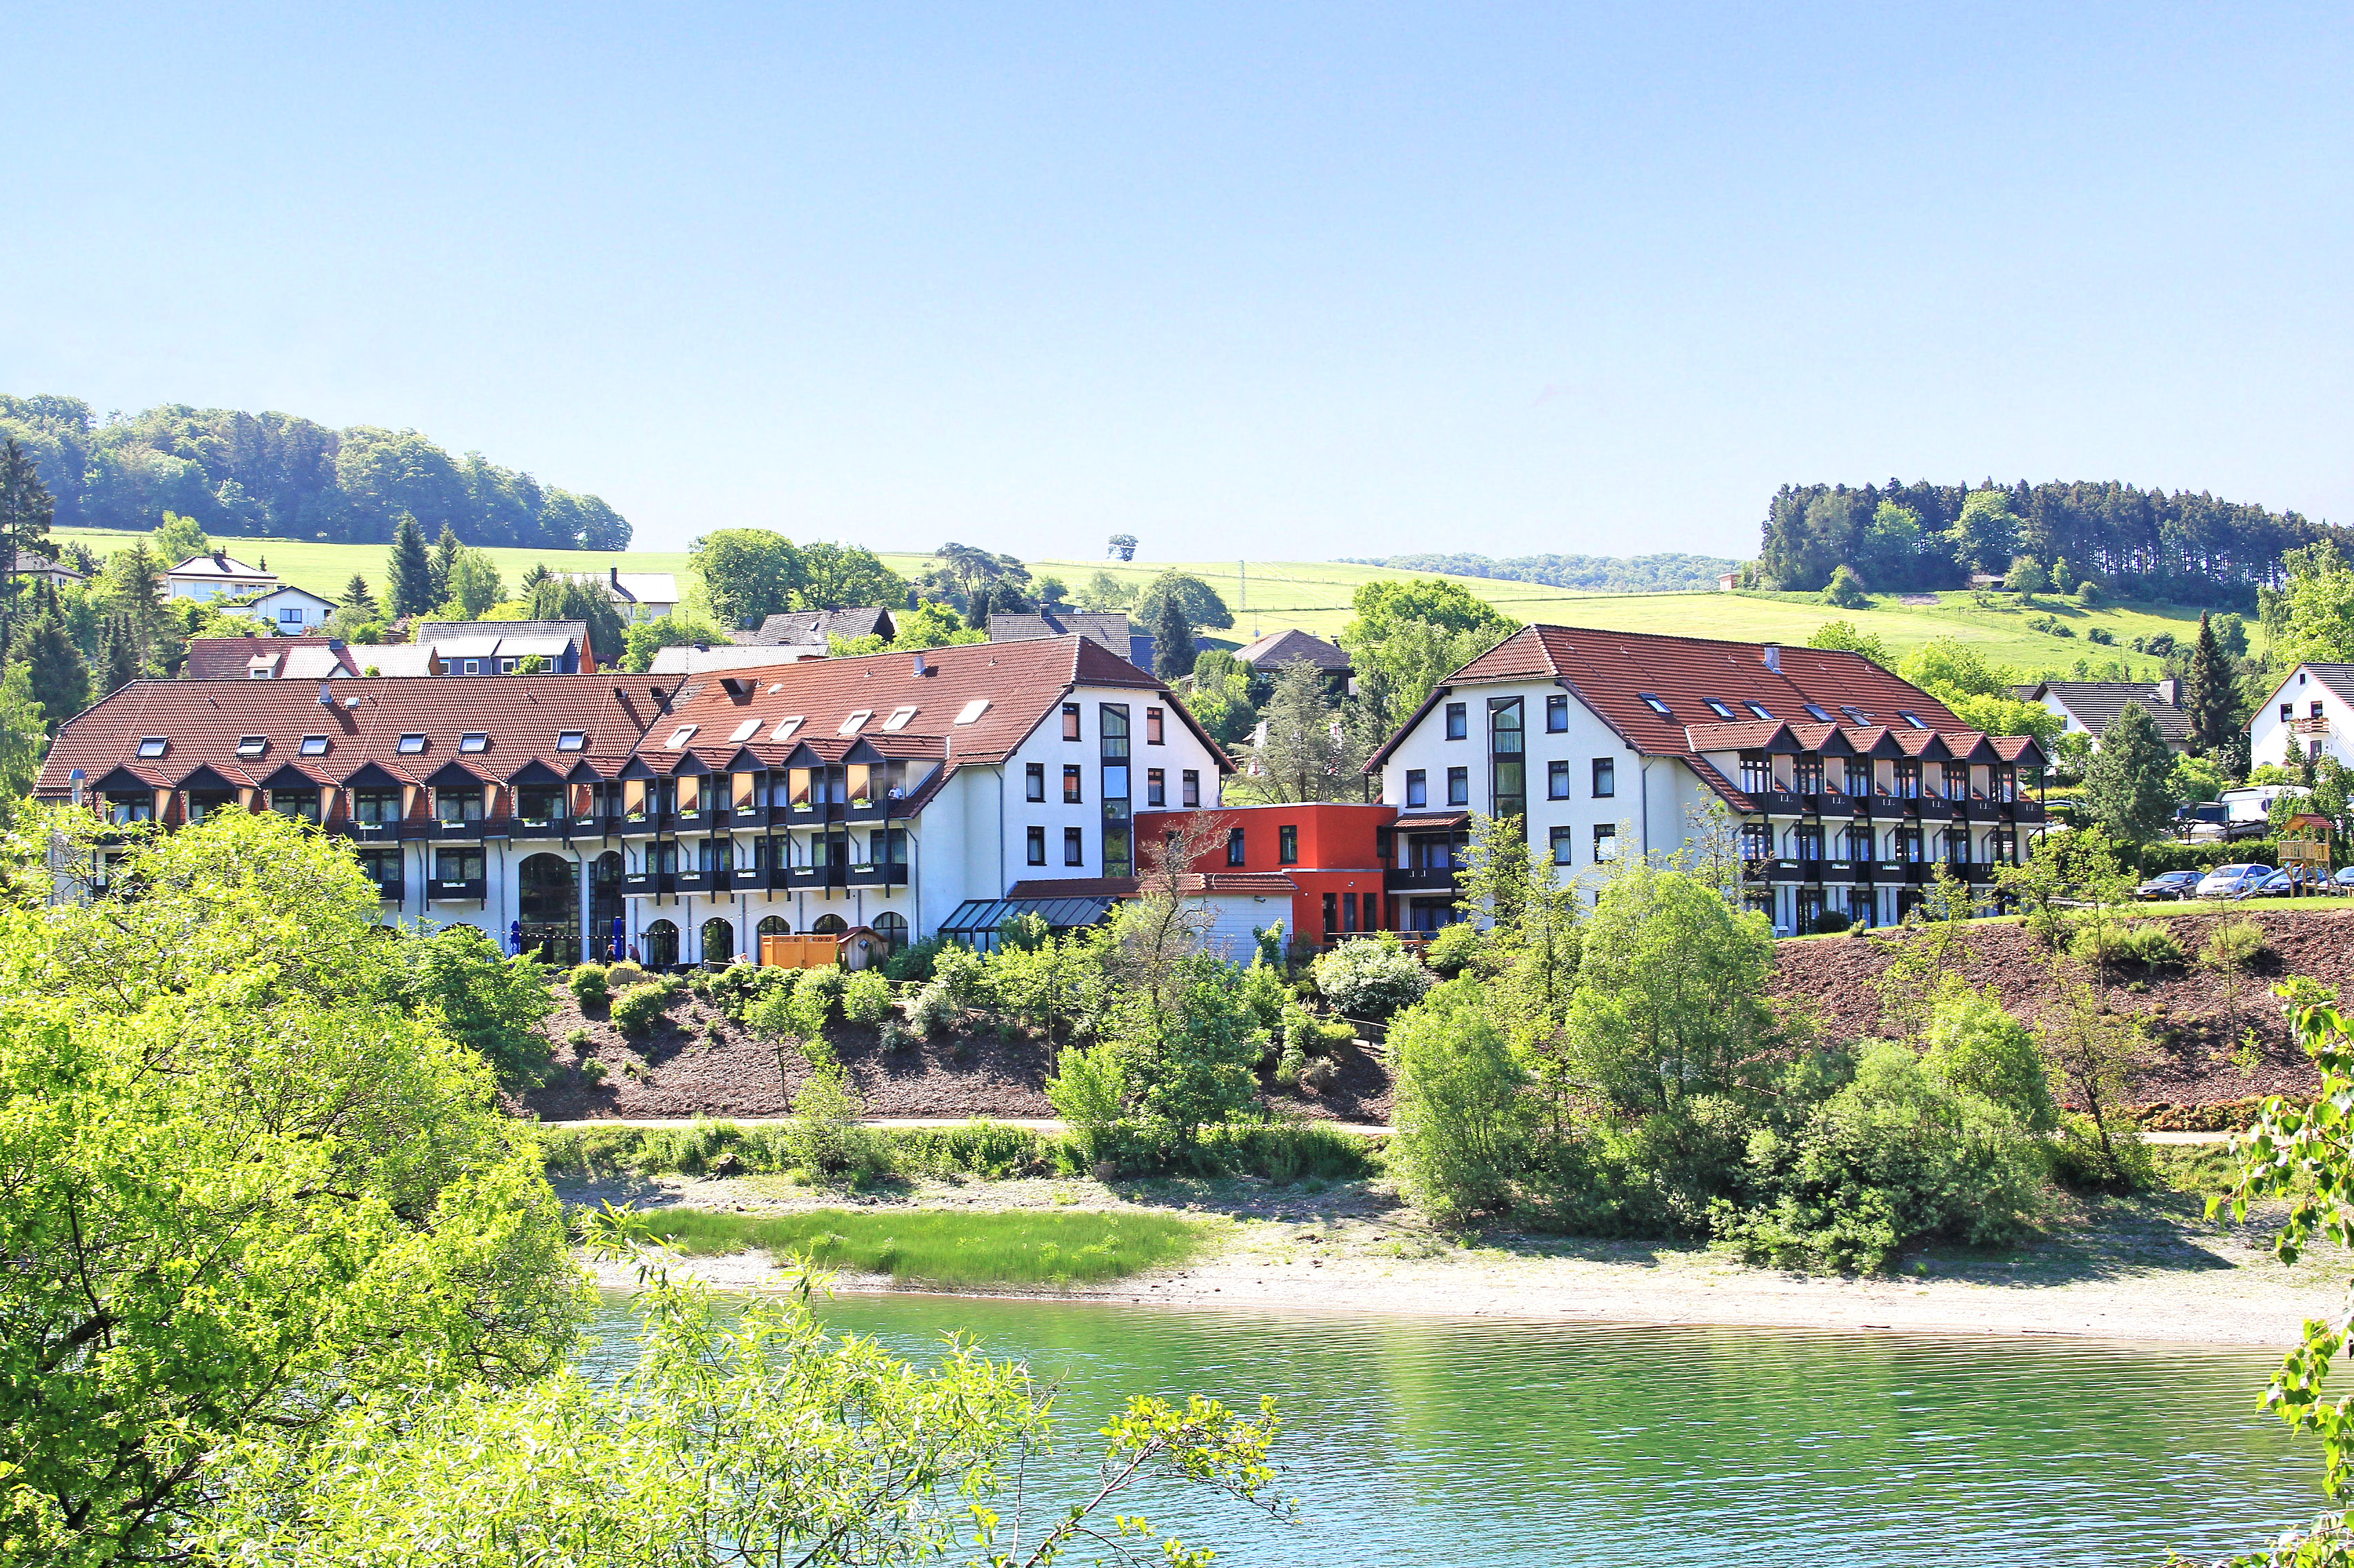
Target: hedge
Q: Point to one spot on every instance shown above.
(2169, 854)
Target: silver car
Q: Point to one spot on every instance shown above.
(2231, 881)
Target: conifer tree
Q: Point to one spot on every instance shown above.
(358, 597)
(1306, 755)
(61, 679)
(409, 574)
(444, 563)
(2209, 691)
(1173, 640)
(121, 656)
(25, 512)
(2129, 786)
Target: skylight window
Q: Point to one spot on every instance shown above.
(1656, 705)
(153, 745)
(571, 740)
(855, 722)
(785, 727)
(411, 744)
(743, 731)
(315, 746)
(972, 710)
(1817, 714)
(899, 717)
(473, 740)
(1760, 709)
(252, 745)
(1719, 709)
(1912, 718)
(1854, 713)
(680, 736)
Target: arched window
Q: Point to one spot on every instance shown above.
(892, 927)
(719, 941)
(775, 926)
(829, 926)
(662, 944)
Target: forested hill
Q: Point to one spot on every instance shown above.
(285, 476)
(2180, 548)
(1599, 574)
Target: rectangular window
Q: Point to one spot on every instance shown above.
(155, 745)
(1957, 780)
(1152, 727)
(1287, 844)
(1192, 781)
(1557, 780)
(252, 745)
(1908, 779)
(473, 666)
(1458, 786)
(1349, 911)
(474, 741)
(411, 744)
(1070, 721)
(1810, 840)
(1070, 784)
(2288, 711)
(1459, 723)
(1565, 845)
(1557, 713)
(1810, 772)
(1606, 778)
(1034, 786)
(1073, 848)
(1331, 914)
(315, 746)
(291, 616)
(1418, 787)
(1756, 775)
(1606, 843)
(1508, 780)
(2314, 708)
(1234, 847)
(1037, 846)
(1858, 776)
(1756, 841)
(571, 739)
(1155, 787)
(450, 867)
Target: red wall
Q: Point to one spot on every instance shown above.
(1339, 855)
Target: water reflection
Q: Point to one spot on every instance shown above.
(1414, 1441)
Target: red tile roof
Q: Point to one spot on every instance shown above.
(231, 658)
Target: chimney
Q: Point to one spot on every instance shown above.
(920, 668)
(1773, 657)
(220, 559)
(2169, 692)
(326, 696)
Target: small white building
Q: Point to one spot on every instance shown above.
(2309, 717)
(291, 611)
(642, 596)
(2090, 707)
(215, 576)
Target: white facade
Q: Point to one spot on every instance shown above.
(290, 612)
(2308, 717)
(216, 576)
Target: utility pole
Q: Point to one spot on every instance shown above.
(1242, 593)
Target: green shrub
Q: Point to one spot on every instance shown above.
(2236, 945)
(824, 1135)
(1089, 1087)
(625, 973)
(635, 1010)
(460, 982)
(2140, 946)
(587, 986)
(593, 1070)
(1830, 923)
(1463, 1124)
(2089, 592)
(914, 962)
(578, 1038)
(2166, 854)
(1266, 991)
(1371, 977)
(1452, 948)
(868, 998)
(2100, 634)
(1974, 1044)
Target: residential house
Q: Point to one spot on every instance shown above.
(41, 568)
(2309, 717)
(500, 646)
(266, 659)
(218, 575)
(702, 659)
(1842, 784)
(813, 628)
(2089, 707)
(290, 612)
(1325, 858)
(1108, 628)
(887, 792)
(1279, 650)
(642, 596)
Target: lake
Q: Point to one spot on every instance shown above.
(1465, 1444)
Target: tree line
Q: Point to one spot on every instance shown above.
(2179, 548)
(280, 474)
(1665, 573)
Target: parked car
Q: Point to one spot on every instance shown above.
(2231, 881)
(2344, 880)
(2170, 884)
(2284, 883)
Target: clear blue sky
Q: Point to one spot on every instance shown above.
(1265, 280)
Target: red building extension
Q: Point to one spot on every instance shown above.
(1334, 852)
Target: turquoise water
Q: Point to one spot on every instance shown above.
(1419, 1442)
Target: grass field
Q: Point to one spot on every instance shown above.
(945, 1246)
(1269, 595)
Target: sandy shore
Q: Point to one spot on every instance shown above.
(2149, 1270)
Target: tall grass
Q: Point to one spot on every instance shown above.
(942, 1246)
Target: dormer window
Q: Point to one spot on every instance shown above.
(1719, 709)
(153, 745)
(680, 736)
(571, 740)
(1760, 711)
(1912, 718)
(252, 745)
(1656, 705)
(314, 746)
(1817, 714)
(744, 732)
(972, 710)
(411, 744)
(855, 722)
(899, 717)
(473, 740)
(785, 727)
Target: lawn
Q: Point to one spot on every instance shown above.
(1269, 595)
(946, 1246)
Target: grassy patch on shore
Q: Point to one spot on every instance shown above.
(943, 1246)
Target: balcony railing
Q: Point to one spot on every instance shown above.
(372, 832)
(648, 884)
(535, 827)
(452, 890)
(1419, 879)
(441, 830)
(2317, 725)
(889, 875)
(391, 890)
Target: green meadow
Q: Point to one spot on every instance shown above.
(946, 1247)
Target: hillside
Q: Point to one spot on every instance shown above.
(1313, 596)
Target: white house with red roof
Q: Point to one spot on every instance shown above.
(1843, 783)
(887, 792)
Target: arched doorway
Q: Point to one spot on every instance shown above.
(829, 926)
(547, 900)
(662, 946)
(892, 927)
(604, 902)
(719, 941)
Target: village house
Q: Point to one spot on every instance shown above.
(216, 575)
(2309, 717)
(2090, 707)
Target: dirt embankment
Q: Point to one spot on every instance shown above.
(699, 1062)
(2194, 1021)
